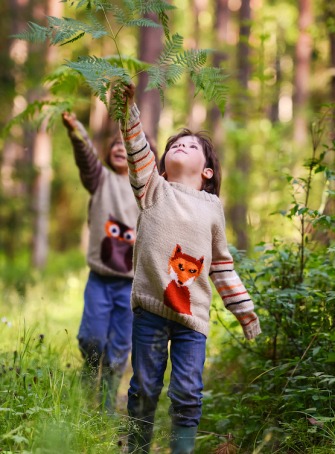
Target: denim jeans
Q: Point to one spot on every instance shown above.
(106, 325)
(151, 334)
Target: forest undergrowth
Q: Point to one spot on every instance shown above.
(273, 395)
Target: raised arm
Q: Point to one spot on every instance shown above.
(85, 153)
(227, 282)
(143, 174)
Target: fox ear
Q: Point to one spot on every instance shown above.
(178, 248)
(201, 260)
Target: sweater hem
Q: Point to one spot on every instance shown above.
(155, 306)
(107, 272)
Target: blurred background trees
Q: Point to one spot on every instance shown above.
(280, 57)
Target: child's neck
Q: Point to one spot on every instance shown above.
(186, 180)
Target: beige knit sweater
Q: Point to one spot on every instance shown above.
(112, 211)
(180, 242)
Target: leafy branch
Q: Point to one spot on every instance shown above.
(100, 73)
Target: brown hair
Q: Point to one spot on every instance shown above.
(118, 136)
(212, 185)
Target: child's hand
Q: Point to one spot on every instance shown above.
(128, 92)
(70, 121)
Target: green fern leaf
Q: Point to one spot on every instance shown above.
(154, 6)
(192, 59)
(171, 48)
(98, 74)
(143, 22)
(99, 30)
(210, 81)
(132, 63)
(34, 34)
(105, 6)
(173, 74)
(63, 81)
(120, 17)
(156, 77)
(73, 39)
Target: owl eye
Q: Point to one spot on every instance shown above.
(129, 236)
(114, 230)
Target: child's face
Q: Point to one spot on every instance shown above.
(186, 156)
(118, 157)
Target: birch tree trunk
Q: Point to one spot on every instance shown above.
(42, 155)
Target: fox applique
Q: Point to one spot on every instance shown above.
(184, 270)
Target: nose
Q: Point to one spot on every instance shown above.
(180, 282)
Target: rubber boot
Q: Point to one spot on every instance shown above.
(108, 389)
(140, 440)
(182, 439)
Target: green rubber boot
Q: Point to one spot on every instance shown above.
(140, 440)
(108, 389)
(183, 439)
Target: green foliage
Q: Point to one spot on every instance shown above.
(100, 73)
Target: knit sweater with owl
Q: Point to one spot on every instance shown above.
(112, 211)
(180, 242)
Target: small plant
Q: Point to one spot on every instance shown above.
(100, 72)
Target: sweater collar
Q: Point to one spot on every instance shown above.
(191, 191)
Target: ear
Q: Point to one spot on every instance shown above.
(207, 173)
(164, 175)
(177, 248)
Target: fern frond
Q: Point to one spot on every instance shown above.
(171, 48)
(98, 74)
(106, 6)
(142, 22)
(120, 17)
(192, 59)
(117, 103)
(52, 113)
(99, 29)
(63, 81)
(173, 74)
(67, 27)
(210, 81)
(156, 77)
(132, 63)
(154, 6)
(73, 39)
(34, 34)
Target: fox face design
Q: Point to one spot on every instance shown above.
(117, 247)
(184, 270)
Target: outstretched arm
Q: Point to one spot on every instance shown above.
(227, 282)
(85, 153)
(143, 174)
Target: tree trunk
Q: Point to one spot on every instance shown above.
(42, 155)
(242, 165)
(303, 62)
(220, 36)
(149, 102)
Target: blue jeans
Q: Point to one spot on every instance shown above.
(106, 325)
(151, 334)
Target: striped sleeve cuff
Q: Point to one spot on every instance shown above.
(252, 330)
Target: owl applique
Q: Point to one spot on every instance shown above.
(117, 246)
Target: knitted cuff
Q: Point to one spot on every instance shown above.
(134, 113)
(253, 331)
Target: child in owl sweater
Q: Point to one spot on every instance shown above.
(180, 242)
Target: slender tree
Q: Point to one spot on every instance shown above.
(42, 154)
(303, 52)
(242, 162)
(149, 102)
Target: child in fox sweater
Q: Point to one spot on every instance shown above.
(180, 242)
